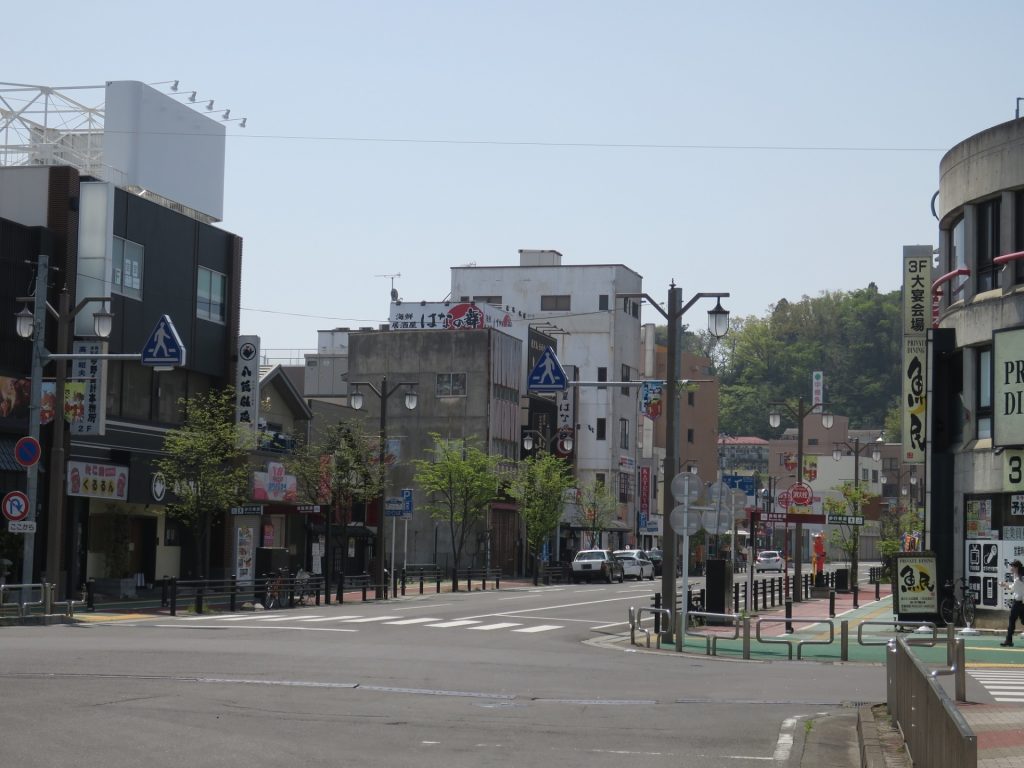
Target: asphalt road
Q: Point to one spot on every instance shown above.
(510, 678)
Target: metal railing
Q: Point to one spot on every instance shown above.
(636, 619)
(46, 601)
(934, 730)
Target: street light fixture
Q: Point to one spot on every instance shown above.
(718, 326)
(31, 324)
(563, 437)
(356, 400)
(876, 454)
(799, 413)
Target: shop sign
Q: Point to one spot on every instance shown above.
(247, 383)
(445, 316)
(274, 484)
(85, 397)
(1008, 387)
(916, 587)
(97, 481)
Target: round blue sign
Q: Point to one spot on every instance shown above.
(27, 451)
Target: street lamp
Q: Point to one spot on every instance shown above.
(31, 324)
(876, 454)
(356, 400)
(563, 437)
(718, 326)
(799, 413)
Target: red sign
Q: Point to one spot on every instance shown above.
(783, 500)
(26, 451)
(645, 490)
(15, 506)
(801, 494)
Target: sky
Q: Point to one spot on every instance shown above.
(769, 150)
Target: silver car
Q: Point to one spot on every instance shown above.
(769, 560)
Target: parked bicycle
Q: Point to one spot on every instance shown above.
(275, 591)
(953, 608)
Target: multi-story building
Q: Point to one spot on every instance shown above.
(125, 205)
(975, 484)
(598, 328)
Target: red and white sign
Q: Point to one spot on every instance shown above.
(645, 490)
(97, 481)
(783, 500)
(15, 506)
(27, 451)
(801, 494)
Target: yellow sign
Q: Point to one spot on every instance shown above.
(916, 587)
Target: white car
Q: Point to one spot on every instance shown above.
(635, 564)
(768, 560)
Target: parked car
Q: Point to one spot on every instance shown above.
(654, 555)
(635, 564)
(593, 564)
(769, 560)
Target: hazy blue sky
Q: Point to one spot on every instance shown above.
(775, 149)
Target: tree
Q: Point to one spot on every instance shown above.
(205, 465)
(539, 486)
(460, 482)
(339, 469)
(596, 508)
(847, 536)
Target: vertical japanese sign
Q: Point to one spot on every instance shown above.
(916, 307)
(247, 383)
(817, 388)
(85, 399)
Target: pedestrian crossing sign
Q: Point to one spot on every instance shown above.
(163, 349)
(548, 375)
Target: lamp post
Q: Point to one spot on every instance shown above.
(911, 490)
(876, 454)
(799, 413)
(356, 401)
(32, 325)
(718, 326)
(563, 437)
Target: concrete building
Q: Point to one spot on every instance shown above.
(599, 334)
(975, 515)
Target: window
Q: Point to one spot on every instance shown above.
(137, 381)
(987, 245)
(602, 301)
(958, 260)
(623, 487)
(690, 398)
(211, 295)
(601, 429)
(126, 276)
(559, 303)
(599, 478)
(450, 385)
(487, 299)
(983, 402)
(689, 435)
(625, 377)
(602, 375)
(624, 433)
(171, 387)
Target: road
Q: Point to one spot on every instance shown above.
(511, 677)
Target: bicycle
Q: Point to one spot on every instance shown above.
(952, 607)
(275, 591)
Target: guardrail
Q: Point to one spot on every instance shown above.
(934, 730)
(712, 638)
(790, 642)
(636, 617)
(46, 600)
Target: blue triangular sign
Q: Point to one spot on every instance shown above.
(548, 375)
(163, 348)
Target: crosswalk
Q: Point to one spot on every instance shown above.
(350, 622)
(1004, 685)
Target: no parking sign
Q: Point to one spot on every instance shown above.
(27, 451)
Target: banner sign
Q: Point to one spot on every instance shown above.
(1008, 387)
(916, 309)
(447, 316)
(650, 399)
(247, 382)
(274, 484)
(97, 481)
(85, 399)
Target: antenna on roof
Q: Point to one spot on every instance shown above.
(394, 291)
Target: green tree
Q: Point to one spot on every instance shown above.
(339, 469)
(596, 508)
(847, 536)
(539, 486)
(205, 465)
(460, 482)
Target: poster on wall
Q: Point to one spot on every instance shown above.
(244, 555)
(97, 481)
(987, 569)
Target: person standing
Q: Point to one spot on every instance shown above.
(1016, 588)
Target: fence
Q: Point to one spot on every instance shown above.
(935, 732)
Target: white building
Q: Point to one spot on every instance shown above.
(599, 334)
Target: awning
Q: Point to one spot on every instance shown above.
(7, 462)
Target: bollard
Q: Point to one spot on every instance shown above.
(657, 616)
(364, 591)
(878, 591)
(394, 584)
(174, 595)
(856, 595)
(831, 603)
(90, 594)
(844, 640)
(403, 582)
(789, 616)
(746, 638)
(497, 580)
(340, 597)
(735, 598)
(455, 580)
(233, 594)
(163, 592)
(959, 675)
(421, 582)
(199, 597)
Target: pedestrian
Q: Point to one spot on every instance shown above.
(1016, 588)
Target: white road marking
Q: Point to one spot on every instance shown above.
(502, 625)
(269, 626)
(785, 743)
(538, 628)
(613, 624)
(417, 607)
(367, 619)
(455, 623)
(343, 617)
(421, 620)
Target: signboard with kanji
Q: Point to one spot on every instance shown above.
(97, 481)
(247, 382)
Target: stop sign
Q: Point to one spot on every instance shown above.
(801, 494)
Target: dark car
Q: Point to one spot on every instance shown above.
(593, 564)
